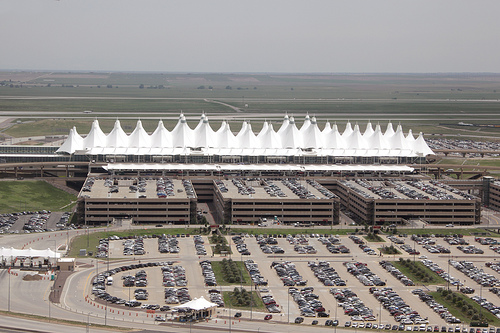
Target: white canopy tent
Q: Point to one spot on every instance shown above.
(287, 141)
(28, 253)
(198, 308)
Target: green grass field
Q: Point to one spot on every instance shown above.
(18, 196)
(459, 313)
(294, 231)
(229, 302)
(447, 231)
(419, 101)
(217, 267)
(433, 277)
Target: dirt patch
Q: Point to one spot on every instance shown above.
(34, 277)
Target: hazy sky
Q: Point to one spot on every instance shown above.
(251, 35)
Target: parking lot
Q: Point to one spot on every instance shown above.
(312, 296)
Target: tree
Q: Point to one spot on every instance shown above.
(229, 87)
(201, 87)
(141, 86)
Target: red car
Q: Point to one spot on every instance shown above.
(268, 317)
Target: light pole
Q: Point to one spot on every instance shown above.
(88, 322)
(336, 309)
(448, 278)
(50, 292)
(288, 307)
(9, 286)
(379, 315)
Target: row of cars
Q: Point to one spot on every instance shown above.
(397, 307)
(388, 266)
(485, 304)
(168, 244)
(333, 245)
(174, 276)
(164, 188)
(133, 246)
(477, 274)
(7, 221)
(325, 273)
(139, 280)
(269, 245)
(37, 222)
(253, 270)
(199, 245)
(270, 304)
(99, 284)
(442, 311)
(441, 272)
(308, 302)
(363, 274)
(352, 305)
(288, 273)
(177, 295)
(208, 273)
(471, 249)
(239, 241)
(215, 297)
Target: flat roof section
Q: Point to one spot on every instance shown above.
(258, 167)
(132, 188)
(406, 190)
(269, 189)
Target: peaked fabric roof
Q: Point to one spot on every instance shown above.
(197, 304)
(287, 141)
(117, 137)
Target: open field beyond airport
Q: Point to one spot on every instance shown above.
(433, 103)
(19, 196)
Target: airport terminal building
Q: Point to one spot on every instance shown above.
(277, 174)
(289, 144)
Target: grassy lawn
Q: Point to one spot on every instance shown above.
(217, 267)
(26, 195)
(374, 238)
(458, 312)
(447, 231)
(294, 231)
(433, 277)
(230, 302)
(219, 244)
(80, 242)
(389, 250)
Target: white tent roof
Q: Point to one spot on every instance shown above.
(348, 130)
(246, 137)
(204, 135)
(312, 136)
(11, 252)
(197, 304)
(73, 142)
(269, 139)
(117, 137)
(182, 134)
(161, 137)
(368, 131)
(284, 124)
(224, 137)
(139, 137)
(96, 137)
(288, 141)
(291, 136)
